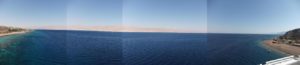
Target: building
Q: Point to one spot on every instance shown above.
(290, 60)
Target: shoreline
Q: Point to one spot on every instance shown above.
(13, 33)
(8, 43)
(284, 49)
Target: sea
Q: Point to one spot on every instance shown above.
(62, 47)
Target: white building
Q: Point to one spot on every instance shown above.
(290, 60)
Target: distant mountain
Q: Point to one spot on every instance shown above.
(114, 28)
(293, 34)
(291, 37)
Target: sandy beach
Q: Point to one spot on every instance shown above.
(12, 33)
(5, 45)
(282, 48)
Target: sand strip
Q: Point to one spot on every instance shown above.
(8, 43)
(282, 48)
(12, 33)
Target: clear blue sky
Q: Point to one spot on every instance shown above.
(253, 16)
(32, 12)
(219, 16)
(175, 14)
(60, 12)
(94, 12)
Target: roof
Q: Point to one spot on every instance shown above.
(290, 60)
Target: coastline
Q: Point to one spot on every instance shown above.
(5, 44)
(284, 49)
(8, 46)
(13, 33)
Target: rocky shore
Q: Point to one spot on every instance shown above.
(288, 43)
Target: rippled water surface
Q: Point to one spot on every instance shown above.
(238, 49)
(58, 47)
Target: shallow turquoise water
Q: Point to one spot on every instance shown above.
(8, 49)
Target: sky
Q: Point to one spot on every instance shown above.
(165, 14)
(212, 16)
(94, 12)
(174, 14)
(253, 16)
(36, 13)
(24, 13)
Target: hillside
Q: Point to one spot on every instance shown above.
(5, 29)
(291, 37)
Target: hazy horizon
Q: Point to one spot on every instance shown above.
(204, 16)
(141, 14)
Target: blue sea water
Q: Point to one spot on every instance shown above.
(163, 49)
(59, 47)
(238, 49)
